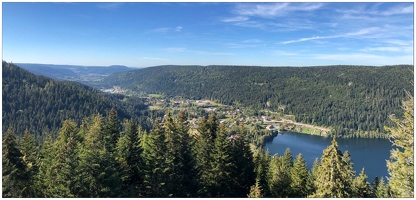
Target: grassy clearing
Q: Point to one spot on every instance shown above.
(155, 107)
(311, 131)
(156, 95)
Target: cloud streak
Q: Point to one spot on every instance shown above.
(167, 29)
(269, 10)
(361, 32)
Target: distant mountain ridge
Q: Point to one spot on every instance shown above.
(89, 75)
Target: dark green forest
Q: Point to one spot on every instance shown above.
(355, 101)
(41, 104)
(104, 157)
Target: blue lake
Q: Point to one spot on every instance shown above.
(368, 153)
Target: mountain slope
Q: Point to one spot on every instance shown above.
(346, 98)
(40, 104)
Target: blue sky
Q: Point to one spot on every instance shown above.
(260, 34)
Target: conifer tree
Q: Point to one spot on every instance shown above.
(188, 184)
(154, 151)
(63, 173)
(99, 177)
(361, 187)
(14, 179)
(261, 164)
(255, 191)
(29, 151)
(382, 190)
(279, 177)
(203, 148)
(243, 174)
(220, 178)
(348, 171)
(112, 130)
(311, 179)
(299, 176)
(401, 163)
(332, 179)
(44, 178)
(129, 156)
(179, 161)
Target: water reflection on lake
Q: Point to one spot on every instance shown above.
(368, 153)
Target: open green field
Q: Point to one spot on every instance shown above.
(155, 107)
(156, 95)
(311, 131)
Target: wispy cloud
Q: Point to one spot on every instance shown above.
(235, 19)
(361, 32)
(269, 10)
(399, 42)
(166, 29)
(398, 10)
(389, 49)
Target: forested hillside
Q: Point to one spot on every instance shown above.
(41, 104)
(349, 99)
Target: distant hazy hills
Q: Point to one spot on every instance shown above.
(90, 75)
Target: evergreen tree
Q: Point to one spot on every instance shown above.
(62, 177)
(178, 159)
(382, 190)
(349, 170)
(29, 151)
(361, 187)
(220, 180)
(279, 177)
(97, 167)
(311, 179)
(401, 163)
(261, 163)
(332, 179)
(243, 174)
(260, 169)
(203, 148)
(154, 151)
(255, 191)
(299, 176)
(112, 130)
(44, 177)
(14, 177)
(373, 187)
(129, 157)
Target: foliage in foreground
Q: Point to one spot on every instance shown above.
(103, 157)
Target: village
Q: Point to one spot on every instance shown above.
(231, 116)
